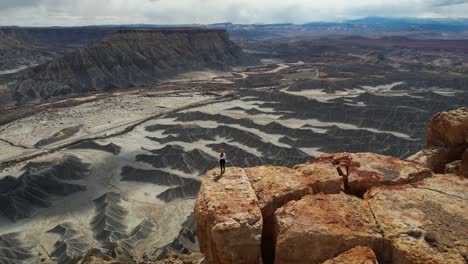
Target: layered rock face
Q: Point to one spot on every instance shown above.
(341, 208)
(129, 58)
(25, 47)
(447, 143)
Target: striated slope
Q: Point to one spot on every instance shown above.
(25, 47)
(14, 251)
(21, 196)
(70, 246)
(129, 58)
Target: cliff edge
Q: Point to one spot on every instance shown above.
(341, 208)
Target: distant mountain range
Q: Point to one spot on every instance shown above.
(409, 21)
(445, 28)
(423, 28)
(366, 20)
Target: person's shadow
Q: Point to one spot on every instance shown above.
(217, 178)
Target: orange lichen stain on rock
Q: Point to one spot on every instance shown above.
(357, 255)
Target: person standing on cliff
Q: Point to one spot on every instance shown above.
(222, 160)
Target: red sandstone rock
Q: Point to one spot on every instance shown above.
(367, 170)
(228, 218)
(449, 129)
(276, 186)
(427, 223)
(319, 227)
(322, 177)
(447, 139)
(357, 255)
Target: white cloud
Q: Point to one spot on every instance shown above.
(86, 12)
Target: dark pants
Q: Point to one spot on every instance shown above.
(222, 165)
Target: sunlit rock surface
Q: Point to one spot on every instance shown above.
(366, 170)
(229, 221)
(357, 255)
(417, 217)
(319, 227)
(447, 143)
(423, 224)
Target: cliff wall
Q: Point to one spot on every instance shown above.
(128, 58)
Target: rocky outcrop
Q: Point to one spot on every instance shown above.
(128, 58)
(316, 211)
(361, 171)
(447, 141)
(357, 255)
(228, 218)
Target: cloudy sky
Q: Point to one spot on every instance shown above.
(91, 12)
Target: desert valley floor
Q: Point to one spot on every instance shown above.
(123, 168)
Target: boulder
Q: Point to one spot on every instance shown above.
(447, 140)
(449, 129)
(357, 255)
(453, 167)
(434, 158)
(366, 170)
(228, 218)
(425, 222)
(276, 186)
(319, 227)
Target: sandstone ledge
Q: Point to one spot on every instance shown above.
(228, 218)
(366, 170)
(272, 214)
